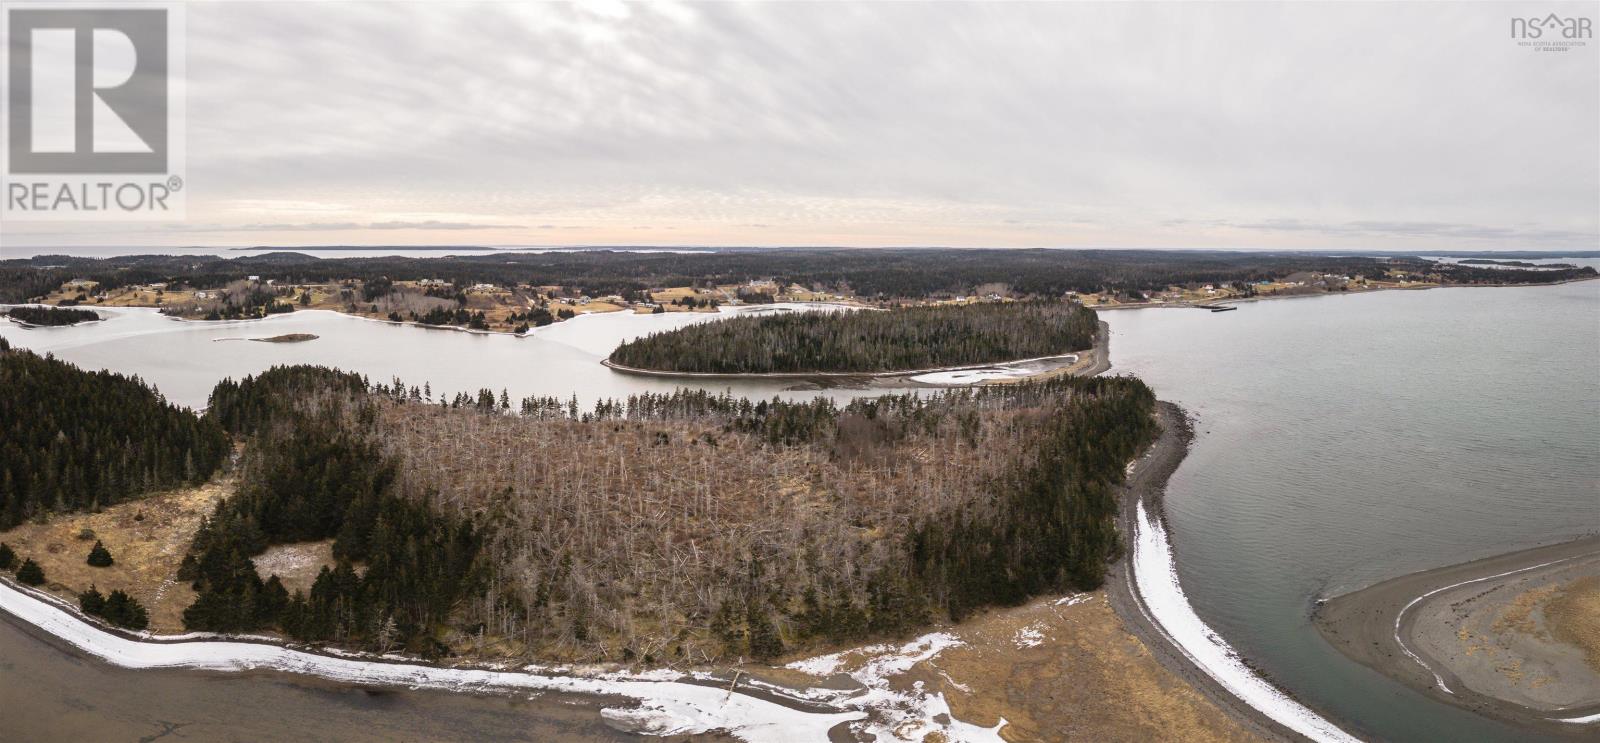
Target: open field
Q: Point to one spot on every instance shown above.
(148, 539)
(1066, 669)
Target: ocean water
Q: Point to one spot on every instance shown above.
(1346, 439)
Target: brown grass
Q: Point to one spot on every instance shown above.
(147, 551)
(1573, 615)
(1086, 679)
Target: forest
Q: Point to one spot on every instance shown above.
(51, 316)
(685, 527)
(78, 440)
(901, 339)
(871, 274)
(665, 527)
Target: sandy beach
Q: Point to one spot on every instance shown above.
(1512, 636)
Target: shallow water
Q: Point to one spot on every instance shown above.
(1346, 439)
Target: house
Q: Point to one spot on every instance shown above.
(431, 282)
(252, 277)
(202, 295)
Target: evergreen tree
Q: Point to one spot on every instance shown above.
(124, 611)
(30, 573)
(99, 556)
(75, 440)
(92, 602)
(7, 557)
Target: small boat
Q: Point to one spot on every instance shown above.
(1223, 308)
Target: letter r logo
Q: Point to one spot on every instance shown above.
(87, 90)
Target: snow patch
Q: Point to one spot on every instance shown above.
(1029, 637)
(664, 707)
(909, 715)
(968, 376)
(1157, 581)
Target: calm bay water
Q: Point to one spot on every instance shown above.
(1343, 440)
(186, 359)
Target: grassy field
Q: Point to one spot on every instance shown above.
(147, 538)
(1056, 669)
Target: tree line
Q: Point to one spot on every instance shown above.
(880, 273)
(77, 440)
(867, 341)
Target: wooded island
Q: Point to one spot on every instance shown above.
(911, 338)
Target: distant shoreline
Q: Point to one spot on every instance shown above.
(1206, 305)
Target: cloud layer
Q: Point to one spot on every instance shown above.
(1225, 125)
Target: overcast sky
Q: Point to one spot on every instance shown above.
(1345, 125)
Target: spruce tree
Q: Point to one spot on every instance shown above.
(92, 602)
(30, 573)
(125, 611)
(7, 557)
(99, 556)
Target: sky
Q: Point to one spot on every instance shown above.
(1408, 126)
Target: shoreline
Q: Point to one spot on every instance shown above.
(667, 702)
(873, 375)
(1241, 300)
(1379, 626)
(1143, 498)
(1098, 353)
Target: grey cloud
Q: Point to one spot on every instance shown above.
(899, 122)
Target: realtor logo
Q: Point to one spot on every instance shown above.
(93, 112)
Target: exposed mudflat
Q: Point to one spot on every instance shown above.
(1510, 636)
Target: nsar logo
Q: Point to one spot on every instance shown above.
(1552, 33)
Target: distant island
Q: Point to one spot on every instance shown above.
(1516, 264)
(913, 338)
(288, 338)
(51, 316)
(372, 248)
